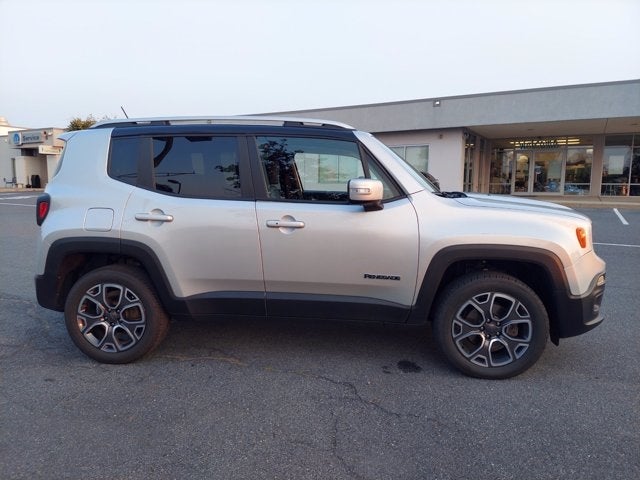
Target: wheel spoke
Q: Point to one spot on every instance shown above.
(492, 329)
(117, 339)
(132, 320)
(111, 317)
(112, 295)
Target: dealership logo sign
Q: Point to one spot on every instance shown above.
(20, 138)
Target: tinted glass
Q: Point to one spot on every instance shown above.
(197, 166)
(123, 164)
(314, 169)
(309, 168)
(390, 190)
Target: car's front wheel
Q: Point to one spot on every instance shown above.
(113, 315)
(491, 325)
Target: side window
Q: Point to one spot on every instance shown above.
(309, 168)
(390, 188)
(315, 169)
(123, 164)
(196, 166)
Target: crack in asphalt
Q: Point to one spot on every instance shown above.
(351, 470)
(194, 358)
(360, 398)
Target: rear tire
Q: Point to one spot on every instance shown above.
(491, 325)
(114, 316)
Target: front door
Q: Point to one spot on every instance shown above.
(323, 257)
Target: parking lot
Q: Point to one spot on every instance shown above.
(296, 400)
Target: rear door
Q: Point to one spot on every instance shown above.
(322, 256)
(196, 214)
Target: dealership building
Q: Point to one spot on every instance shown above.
(573, 140)
(28, 157)
(570, 140)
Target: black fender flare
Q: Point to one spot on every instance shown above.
(51, 287)
(434, 280)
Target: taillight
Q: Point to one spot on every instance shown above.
(42, 207)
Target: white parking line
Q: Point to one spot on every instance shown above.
(616, 245)
(622, 219)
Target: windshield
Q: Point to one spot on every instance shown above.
(381, 150)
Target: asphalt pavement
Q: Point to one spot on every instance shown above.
(297, 400)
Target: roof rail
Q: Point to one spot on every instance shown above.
(232, 120)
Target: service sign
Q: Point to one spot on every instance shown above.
(20, 138)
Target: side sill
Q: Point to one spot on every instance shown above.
(334, 307)
(251, 304)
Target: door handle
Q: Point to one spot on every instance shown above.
(154, 217)
(284, 224)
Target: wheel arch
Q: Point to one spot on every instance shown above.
(540, 269)
(70, 258)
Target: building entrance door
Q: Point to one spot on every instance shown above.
(522, 172)
(537, 171)
(547, 171)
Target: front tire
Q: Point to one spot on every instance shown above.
(491, 325)
(114, 316)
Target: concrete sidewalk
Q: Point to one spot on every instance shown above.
(591, 201)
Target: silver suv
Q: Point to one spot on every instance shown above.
(147, 220)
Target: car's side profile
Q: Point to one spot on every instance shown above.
(146, 220)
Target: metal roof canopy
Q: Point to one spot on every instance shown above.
(602, 108)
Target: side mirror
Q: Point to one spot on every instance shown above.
(366, 192)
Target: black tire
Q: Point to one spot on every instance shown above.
(114, 316)
(490, 325)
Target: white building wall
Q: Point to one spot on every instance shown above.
(43, 148)
(23, 170)
(446, 153)
(5, 159)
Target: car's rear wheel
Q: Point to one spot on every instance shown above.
(491, 325)
(114, 316)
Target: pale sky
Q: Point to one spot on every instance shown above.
(61, 59)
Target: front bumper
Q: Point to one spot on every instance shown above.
(577, 315)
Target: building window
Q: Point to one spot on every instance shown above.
(577, 176)
(415, 155)
(501, 169)
(621, 165)
(542, 165)
(469, 154)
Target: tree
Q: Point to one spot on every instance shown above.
(78, 123)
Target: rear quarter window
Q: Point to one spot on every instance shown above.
(123, 161)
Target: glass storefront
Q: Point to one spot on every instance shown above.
(469, 160)
(577, 176)
(621, 165)
(557, 166)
